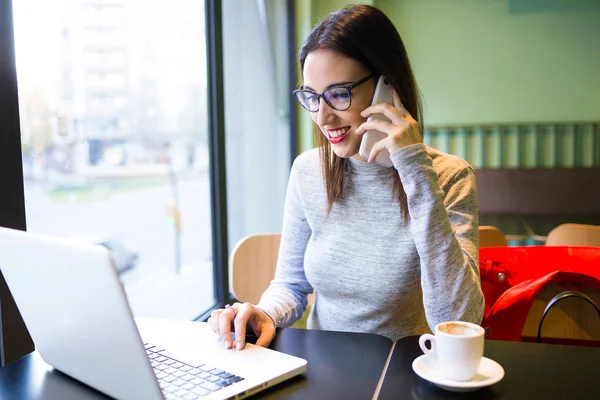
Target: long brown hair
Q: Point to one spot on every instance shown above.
(367, 35)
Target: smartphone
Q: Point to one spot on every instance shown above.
(383, 94)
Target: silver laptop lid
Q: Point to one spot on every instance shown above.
(77, 313)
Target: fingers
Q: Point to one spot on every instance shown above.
(260, 323)
(394, 114)
(398, 103)
(377, 147)
(225, 318)
(266, 336)
(240, 323)
(213, 321)
(407, 116)
(265, 329)
(381, 126)
(240, 316)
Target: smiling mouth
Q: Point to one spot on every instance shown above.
(337, 135)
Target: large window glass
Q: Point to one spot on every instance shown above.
(112, 98)
(258, 132)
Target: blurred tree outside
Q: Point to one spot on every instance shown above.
(36, 121)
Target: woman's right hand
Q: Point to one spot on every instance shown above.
(241, 316)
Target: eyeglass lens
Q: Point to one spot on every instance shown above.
(336, 98)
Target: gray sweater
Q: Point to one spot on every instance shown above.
(373, 272)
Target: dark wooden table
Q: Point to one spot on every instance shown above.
(532, 371)
(340, 366)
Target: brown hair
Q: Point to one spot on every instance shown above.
(367, 35)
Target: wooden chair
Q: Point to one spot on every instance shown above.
(490, 236)
(252, 264)
(572, 318)
(574, 235)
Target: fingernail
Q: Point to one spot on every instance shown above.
(227, 344)
(238, 345)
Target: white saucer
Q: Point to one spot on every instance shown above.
(488, 373)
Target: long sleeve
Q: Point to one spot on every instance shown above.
(363, 256)
(286, 298)
(444, 224)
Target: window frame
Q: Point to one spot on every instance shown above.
(216, 139)
(15, 340)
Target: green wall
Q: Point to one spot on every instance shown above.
(481, 62)
(495, 62)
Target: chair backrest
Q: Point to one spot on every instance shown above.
(490, 236)
(252, 265)
(574, 235)
(572, 319)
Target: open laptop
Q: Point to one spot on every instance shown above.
(76, 310)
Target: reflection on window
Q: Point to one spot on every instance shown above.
(112, 97)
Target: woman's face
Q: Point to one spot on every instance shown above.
(324, 69)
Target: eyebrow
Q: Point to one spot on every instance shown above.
(328, 87)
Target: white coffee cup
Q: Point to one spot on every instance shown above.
(457, 347)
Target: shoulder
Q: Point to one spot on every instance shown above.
(450, 167)
(307, 162)
(306, 179)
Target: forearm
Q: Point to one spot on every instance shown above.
(286, 298)
(444, 228)
(284, 303)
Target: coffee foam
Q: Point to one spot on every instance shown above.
(458, 329)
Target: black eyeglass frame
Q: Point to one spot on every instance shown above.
(319, 96)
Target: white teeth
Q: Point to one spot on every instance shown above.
(338, 132)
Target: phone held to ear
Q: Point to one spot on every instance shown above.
(383, 94)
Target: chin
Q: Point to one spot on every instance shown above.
(344, 151)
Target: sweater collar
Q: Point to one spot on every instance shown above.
(357, 167)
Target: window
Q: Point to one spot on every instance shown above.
(120, 147)
(258, 128)
(114, 140)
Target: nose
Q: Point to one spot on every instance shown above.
(325, 113)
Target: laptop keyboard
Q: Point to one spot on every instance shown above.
(179, 380)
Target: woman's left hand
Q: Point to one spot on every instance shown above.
(402, 131)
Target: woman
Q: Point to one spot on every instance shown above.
(391, 251)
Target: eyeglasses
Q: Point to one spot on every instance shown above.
(338, 97)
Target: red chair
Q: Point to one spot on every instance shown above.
(542, 293)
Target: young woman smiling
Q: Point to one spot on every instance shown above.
(392, 251)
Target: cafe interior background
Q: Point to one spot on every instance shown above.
(116, 139)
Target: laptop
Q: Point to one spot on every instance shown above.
(76, 310)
